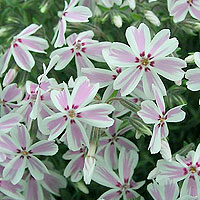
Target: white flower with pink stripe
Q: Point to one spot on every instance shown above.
(184, 168)
(157, 115)
(18, 145)
(122, 185)
(74, 111)
(20, 47)
(180, 8)
(71, 13)
(145, 59)
(82, 47)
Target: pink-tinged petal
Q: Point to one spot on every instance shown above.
(71, 39)
(164, 130)
(149, 79)
(193, 76)
(75, 166)
(179, 11)
(20, 136)
(31, 87)
(82, 62)
(127, 144)
(61, 99)
(35, 44)
(94, 51)
(10, 190)
(170, 68)
(11, 93)
(45, 148)
(149, 112)
(9, 121)
(190, 186)
(14, 170)
(60, 32)
(52, 182)
(78, 14)
(86, 36)
(36, 168)
(197, 58)
(55, 125)
(159, 99)
(104, 140)
(110, 155)
(171, 170)
(120, 55)
(4, 60)
(127, 164)
(171, 189)
(69, 155)
(29, 30)
(128, 80)
(8, 146)
(138, 39)
(97, 115)
(9, 77)
(115, 127)
(113, 194)
(23, 57)
(155, 143)
(175, 114)
(161, 45)
(83, 92)
(131, 194)
(33, 190)
(102, 76)
(76, 136)
(104, 175)
(65, 56)
(155, 191)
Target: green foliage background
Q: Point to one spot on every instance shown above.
(15, 15)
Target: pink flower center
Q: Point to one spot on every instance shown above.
(193, 170)
(144, 61)
(78, 46)
(71, 113)
(162, 119)
(118, 70)
(24, 152)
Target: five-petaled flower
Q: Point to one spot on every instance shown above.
(144, 60)
(74, 111)
(19, 49)
(156, 114)
(18, 145)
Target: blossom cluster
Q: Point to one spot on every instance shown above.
(87, 114)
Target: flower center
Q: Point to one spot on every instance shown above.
(71, 113)
(190, 2)
(193, 170)
(77, 46)
(144, 61)
(24, 153)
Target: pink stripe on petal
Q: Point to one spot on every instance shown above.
(29, 30)
(5, 60)
(11, 93)
(154, 190)
(113, 194)
(155, 143)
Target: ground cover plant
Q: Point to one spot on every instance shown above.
(99, 99)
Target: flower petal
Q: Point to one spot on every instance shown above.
(45, 148)
(128, 80)
(155, 143)
(97, 115)
(127, 144)
(113, 194)
(127, 164)
(194, 79)
(23, 57)
(29, 30)
(175, 114)
(110, 155)
(4, 60)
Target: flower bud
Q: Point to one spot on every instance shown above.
(189, 59)
(89, 164)
(117, 20)
(9, 77)
(82, 187)
(178, 82)
(151, 17)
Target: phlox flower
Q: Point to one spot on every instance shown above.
(88, 3)
(20, 47)
(157, 115)
(82, 47)
(114, 140)
(184, 168)
(71, 13)
(180, 8)
(10, 190)
(144, 60)
(193, 75)
(45, 188)
(110, 3)
(122, 185)
(8, 96)
(18, 145)
(74, 111)
(76, 164)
